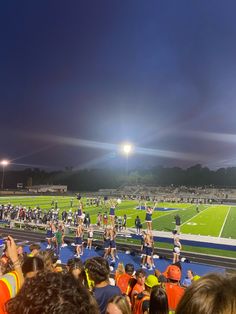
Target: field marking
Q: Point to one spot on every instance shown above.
(221, 230)
(195, 216)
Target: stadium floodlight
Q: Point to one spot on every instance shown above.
(4, 163)
(127, 149)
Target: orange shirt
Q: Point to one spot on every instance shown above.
(9, 286)
(123, 281)
(174, 294)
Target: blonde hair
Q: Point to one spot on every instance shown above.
(122, 303)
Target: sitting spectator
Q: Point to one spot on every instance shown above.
(54, 293)
(142, 300)
(173, 289)
(211, 294)
(97, 270)
(31, 266)
(118, 305)
(158, 301)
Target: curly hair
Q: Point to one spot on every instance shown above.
(54, 293)
(98, 269)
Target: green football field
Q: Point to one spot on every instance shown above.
(212, 220)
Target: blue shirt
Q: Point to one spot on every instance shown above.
(103, 294)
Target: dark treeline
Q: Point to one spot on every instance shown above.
(94, 179)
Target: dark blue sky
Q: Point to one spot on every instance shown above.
(76, 76)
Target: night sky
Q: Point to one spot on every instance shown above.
(79, 77)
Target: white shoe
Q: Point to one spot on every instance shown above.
(48, 246)
(144, 267)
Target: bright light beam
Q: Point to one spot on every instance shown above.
(113, 147)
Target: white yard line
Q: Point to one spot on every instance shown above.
(221, 230)
(195, 216)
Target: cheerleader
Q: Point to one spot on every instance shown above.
(143, 249)
(79, 241)
(106, 237)
(149, 244)
(148, 218)
(176, 250)
(112, 214)
(80, 214)
(113, 244)
(49, 235)
(90, 238)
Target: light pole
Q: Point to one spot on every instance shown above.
(4, 163)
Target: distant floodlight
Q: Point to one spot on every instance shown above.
(127, 148)
(4, 162)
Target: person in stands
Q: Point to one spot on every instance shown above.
(158, 301)
(118, 305)
(123, 280)
(98, 271)
(211, 294)
(54, 293)
(139, 286)
(172, 287)
(11, 282)
(142, 300)
(31, 266)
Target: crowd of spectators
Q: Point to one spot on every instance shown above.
(35, 283)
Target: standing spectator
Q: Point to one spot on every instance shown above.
(173, 289)
(142, 300)
(177, 223)
(118, 305)
(11, 282)
(123, 280)
(158, 301)
(139, 286)
(211, 294)
(54, 293)
(98, 271)
(138, 225)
